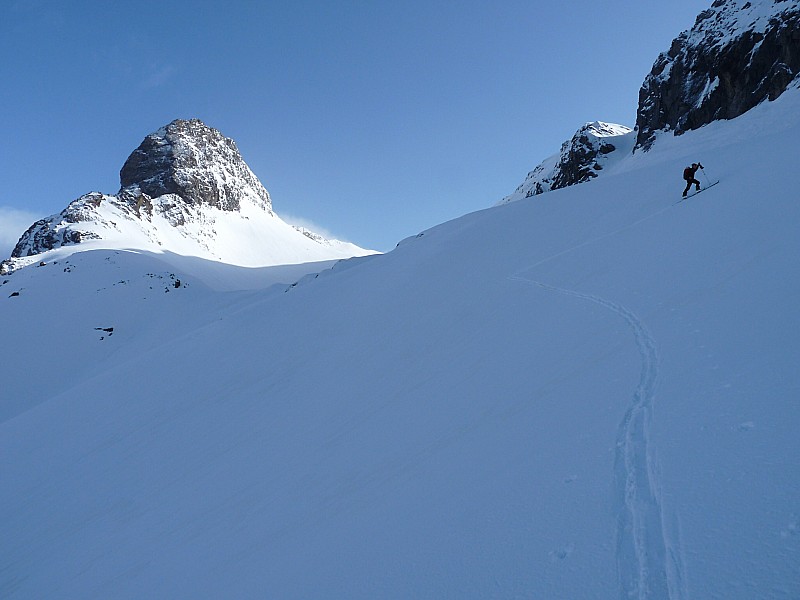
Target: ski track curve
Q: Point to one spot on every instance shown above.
(649, 560)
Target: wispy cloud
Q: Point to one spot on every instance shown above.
(158, 76)
(13, 223)
(310, 226)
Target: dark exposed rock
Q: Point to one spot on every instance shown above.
(580, 156)
(108, 330)
(193, 161)
(737, 55)
(46, 234)
(581, 159)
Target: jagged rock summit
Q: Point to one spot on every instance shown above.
(737, 55)
(196, 163)
(581, 159)
(186, 189)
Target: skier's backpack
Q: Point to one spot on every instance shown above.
(688, 173)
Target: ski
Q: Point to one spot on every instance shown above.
(702, 189)
(694, 193)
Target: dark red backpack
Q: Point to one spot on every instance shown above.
(688, 173)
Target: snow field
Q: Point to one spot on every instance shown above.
(589, 394)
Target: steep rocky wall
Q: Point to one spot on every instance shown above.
(737, 55)
(196, 162)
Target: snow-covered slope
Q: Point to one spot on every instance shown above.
(184, 190)
(591, 394)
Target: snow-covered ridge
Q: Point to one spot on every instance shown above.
(728, 20)
(581, 159)
(185, 190)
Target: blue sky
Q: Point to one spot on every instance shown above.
(370, 121)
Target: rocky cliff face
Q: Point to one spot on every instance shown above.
(737, 55)
(581, 159)
(196, 163)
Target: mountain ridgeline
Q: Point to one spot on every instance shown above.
(737, 55)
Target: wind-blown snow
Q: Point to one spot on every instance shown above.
(592, 393)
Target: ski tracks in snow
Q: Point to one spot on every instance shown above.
(648, 554)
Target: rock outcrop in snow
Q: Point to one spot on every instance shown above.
(581, 159)
(185, 189)
(45, 234)
(737, 55)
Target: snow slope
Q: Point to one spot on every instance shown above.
(249, 237)
(592, 393)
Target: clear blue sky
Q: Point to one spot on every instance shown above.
(370, 120)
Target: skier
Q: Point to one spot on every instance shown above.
(688, 175)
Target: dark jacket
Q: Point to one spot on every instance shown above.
(688, 172)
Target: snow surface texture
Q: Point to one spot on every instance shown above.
(594, 147)
(589, 394)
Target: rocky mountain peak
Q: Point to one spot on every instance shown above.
(186, 190)
(738, 54)
(581, 159)
(195, 162)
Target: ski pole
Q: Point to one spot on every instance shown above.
(704, 175)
